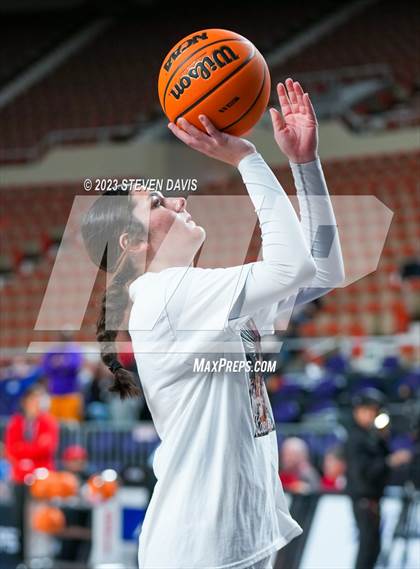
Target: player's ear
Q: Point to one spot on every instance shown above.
(132, 246)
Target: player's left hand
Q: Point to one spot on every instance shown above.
(296, 127)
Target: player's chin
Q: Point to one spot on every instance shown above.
(199, 233)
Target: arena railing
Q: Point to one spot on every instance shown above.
(115, 445)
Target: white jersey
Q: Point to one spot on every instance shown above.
(218, 501)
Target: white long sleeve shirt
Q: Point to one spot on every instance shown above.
(218, 502)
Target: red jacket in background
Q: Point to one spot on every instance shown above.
(27, 455)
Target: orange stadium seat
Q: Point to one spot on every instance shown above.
(370, 305)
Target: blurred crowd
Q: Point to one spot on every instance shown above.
(75, 384)
(65, 385)
(366, 401)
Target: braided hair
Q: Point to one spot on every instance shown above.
(102, 227)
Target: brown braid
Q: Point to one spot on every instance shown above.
(113, 307)
(102, 226)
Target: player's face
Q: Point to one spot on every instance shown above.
(174, 238)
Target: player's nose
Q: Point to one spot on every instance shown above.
(177, 204)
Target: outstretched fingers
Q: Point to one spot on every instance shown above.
(292, 95)
(286, 109)
(299, 96)
(277, 120)
(308, 107)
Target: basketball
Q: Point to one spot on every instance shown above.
(40, 484)
(218, 73)
(47, 485)
(69, 485)
(48, 519)
(103, 486)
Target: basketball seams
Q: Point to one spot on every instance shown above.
(203, 97)
(241, 94)
(225, 128)
(241, 40)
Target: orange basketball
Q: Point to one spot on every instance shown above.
(217, 73)
(69, 485)
(39, 489)
(54, 485)
(48, 520)
(103, 486)
(47, 485)
(41, 483)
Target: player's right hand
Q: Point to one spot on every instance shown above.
(214, 143)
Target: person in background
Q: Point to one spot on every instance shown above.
(31, 436)
(368, 465)
(410, 285)
(15, 378)
(334, 469)
(74, 542)
(61, 366)
(96, 394)
(75, 460)
(296, 471)
(31, 440)
(4, 472)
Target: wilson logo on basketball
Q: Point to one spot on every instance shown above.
(218, 73)
(182, 47)
(204, 68)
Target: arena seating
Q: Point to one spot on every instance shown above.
(371, 305)
(384, 33)
(85, 94)
(35, 35)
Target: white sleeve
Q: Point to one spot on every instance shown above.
(321, 235)
(319, 224)
(287, 264)
(214, 300)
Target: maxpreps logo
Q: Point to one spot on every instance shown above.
(182, 47)
(204, 68)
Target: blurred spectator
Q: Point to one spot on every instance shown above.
(4, 474)
(369, 462)
(296, 471)
(4, 465)
(96, 394)
(14, 380)
(337, 362)
(74, 543)
(61, 366)
(31, 435)
(31, 440)
(334, 469)
(409, 279)
(75, 460)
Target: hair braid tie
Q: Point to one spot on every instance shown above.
(114, 366)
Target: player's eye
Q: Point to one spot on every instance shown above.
(156, 201)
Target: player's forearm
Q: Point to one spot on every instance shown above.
(319, 224)
(287, 263)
